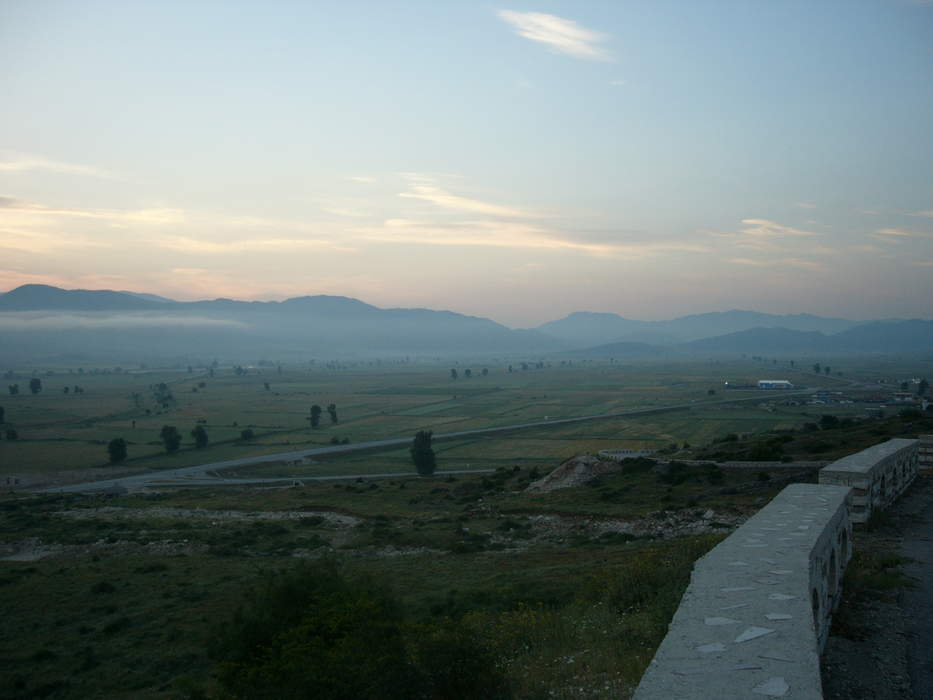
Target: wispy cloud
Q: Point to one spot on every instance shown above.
(514, 234)
(895, 234)
(27, 240)
(361, 178)
(928, 213)
(762, 228)
(193, 245)
(14, 164)
(762, 235)
(778, 262)
(805, 205)
(138, 216)
(562, 35)
(442, 198)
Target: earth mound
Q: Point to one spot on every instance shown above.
(574, 472)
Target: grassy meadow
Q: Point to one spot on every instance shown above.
(567, 593)
(63, 437)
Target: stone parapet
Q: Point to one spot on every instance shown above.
(757, 611)
(925, 453)
(878, 475)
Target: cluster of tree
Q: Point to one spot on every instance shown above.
(116, 450)
(422, 454)
(162, 394)
(315, 415)
(536, 365)
(10, 432)
(468, 373)
(922, 387)
(170, 437)
(77, 389)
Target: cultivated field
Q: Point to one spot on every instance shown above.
(63, 437)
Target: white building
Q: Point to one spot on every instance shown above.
(774, 384)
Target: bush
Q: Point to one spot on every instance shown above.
(311, 632)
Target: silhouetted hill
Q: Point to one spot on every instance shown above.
(42, 297)
(765, 340)
(877, 336)
(586, 328)
(44, 319)
(37, 320)
(887, 336)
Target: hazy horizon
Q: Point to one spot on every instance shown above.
(517, 163)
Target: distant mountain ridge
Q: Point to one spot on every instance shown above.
(601, 328)
(874, 337)
(33, 318)
(107, 321)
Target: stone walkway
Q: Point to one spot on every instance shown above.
(917, 603)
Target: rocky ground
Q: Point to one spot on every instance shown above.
(878, 648)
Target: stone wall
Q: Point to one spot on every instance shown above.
(925, 456)
(757, 611)
(877, 475)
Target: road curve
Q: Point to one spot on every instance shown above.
(202, 473)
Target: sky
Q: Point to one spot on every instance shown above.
(514, 161)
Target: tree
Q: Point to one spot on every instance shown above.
(35, 385)
(422, 455)
(266, 384)
(14, 389)
(468, 373)
(200, 436)
(453, 374)
(247, 434)
(791, 363)
(710, 392)
(485, 372)
(66, 389)
(2, 412)
(332, 410)
(116, 449)
(315, 416)
(828, 422)
(171, 438)
(921, 390)
(827, 370)
(816, 368)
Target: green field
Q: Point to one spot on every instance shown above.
(573, 588)
(62, 436)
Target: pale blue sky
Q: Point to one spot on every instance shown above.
(514, 161)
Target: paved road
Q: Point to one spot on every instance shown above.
(917, 602)
(202, 472)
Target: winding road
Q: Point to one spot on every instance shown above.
(206, 474)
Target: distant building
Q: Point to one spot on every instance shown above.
(903, 397)
(774, 384)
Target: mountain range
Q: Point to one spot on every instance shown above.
(41, 321)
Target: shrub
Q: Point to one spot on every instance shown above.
(311, 632)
